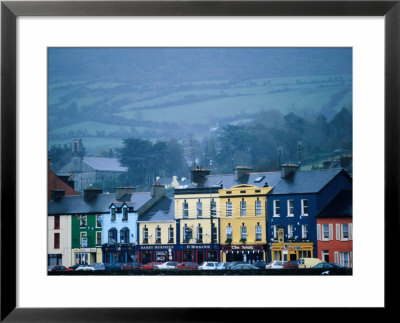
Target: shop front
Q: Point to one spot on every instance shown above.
(246, 253)
(86, 256)
(199, 253)
(156, 253)
(291, 251)
(113, 253)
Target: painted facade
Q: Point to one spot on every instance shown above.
(197, 213)
(59, 240)
(243, 219)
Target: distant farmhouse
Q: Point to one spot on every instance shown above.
(88, 170)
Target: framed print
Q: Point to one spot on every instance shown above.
(42, 41)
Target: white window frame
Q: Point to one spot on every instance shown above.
(80, 221)
(304, 231)
(228, 209)
(290, 207)
(337, 231)
(342, 238)
(258, 208)
(145, 233)
(323, 232)
(171, 234)
(125, 213)
(243, 232)
(277, 207)
(97, 238)
(199, 208)
(84, 234)
(185, 209)
(229, 232)
(258, 232)
(243, 208)
(290, 233)
(303, 213)
(158, 235)
(199, 233)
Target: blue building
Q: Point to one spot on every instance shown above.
(293, 204)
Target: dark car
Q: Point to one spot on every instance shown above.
(188, 265)
(132, 266)
(233, 264)
(151, 265)
(327, 265)
(260, 264)
(73, 267)
(57, 268)
(99, 266)
(291, 264)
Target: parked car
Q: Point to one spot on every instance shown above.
(150, 265)
(187, 265)
(291, 264)
(132, 266)
(244, 267)
(276, 264)
(168, 265)
(85, 268)
(73, 267)
(57, 268)
(208, 265)
(99, 266)
(222, 265)
(115, 266)
(234, 263)
(260, 264)
(327, 265)
(309, 262)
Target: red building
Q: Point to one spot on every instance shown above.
(335, 230)
(56, 185)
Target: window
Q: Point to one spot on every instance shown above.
(124, 214)
(242, 208)
(113, 213)
(98, 238)
(243, 232)
(213, 233)
(258, 208)
(56, 241)
(187, 233)
(277, 208)
(345, 259)
(213, 208)
(304, 231)
(258, 232)
(199, 209)
(290, 231)
(304, 207)
(158, 234)
(112, 235)
(56, 222)
(199, 234)
(98, 221)
(84, 240)
(345, 231)
(229, 232)
(185, 207)
(275, 232)
(124, 235)
(145, 235)
(170, 234)
(290, 208)
(325, 232)
(229, 208)
(83, 221)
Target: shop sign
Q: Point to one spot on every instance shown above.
(85, 250)
(155, 247)
(239, 247)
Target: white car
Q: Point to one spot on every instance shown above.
(85, 268)
(276, 264)
(208, 265)
(167, 265)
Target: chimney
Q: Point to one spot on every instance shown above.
(198, 175)
(287, 170)
(90, 193)
(240, 171)
(157, 191)
(56, 194)
(120, 192)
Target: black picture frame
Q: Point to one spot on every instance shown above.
(10, 10)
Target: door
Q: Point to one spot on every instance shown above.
(200, 257)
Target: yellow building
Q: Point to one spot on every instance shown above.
(243, 216)
(197, 221)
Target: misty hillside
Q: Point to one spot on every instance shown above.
(106, 95)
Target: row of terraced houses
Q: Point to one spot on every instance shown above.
(247, 216)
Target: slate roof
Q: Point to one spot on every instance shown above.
(105, 164)
(302, 182)
(99, 204)
(341, 206)
(162, 211)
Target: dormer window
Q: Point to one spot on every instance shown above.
(125, 213)
(113, 213)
